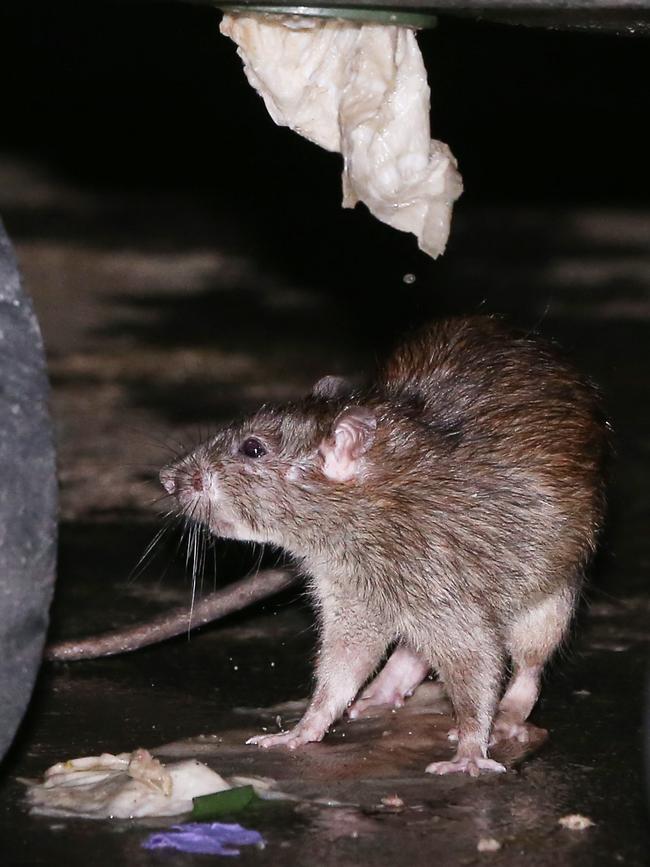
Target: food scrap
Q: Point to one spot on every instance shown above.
(488, 844)
(575, 822)
(393, 802)
(124, 786)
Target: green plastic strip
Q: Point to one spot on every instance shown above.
(402, 17)
(222, 803)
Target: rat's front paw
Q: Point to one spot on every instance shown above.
(290, 739)
(464, 765)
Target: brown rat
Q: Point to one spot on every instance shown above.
(451, 509)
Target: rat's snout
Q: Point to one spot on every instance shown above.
(167, 478)
(197, 494)
(183, 477)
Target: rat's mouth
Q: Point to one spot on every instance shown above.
(201, 509)
(199, 498)
(197, 511)
(222, 528)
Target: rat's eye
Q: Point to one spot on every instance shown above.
(252, 448)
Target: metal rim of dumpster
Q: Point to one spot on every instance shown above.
(405, 17)
(619, 17)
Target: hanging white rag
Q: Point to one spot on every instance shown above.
(361, 90)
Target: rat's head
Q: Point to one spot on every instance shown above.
(261, 479)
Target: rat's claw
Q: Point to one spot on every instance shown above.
(471, 766)
(290, 739)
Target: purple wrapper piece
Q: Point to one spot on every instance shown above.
(204, 838)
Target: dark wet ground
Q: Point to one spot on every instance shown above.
(183, 275)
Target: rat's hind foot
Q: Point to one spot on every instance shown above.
(505, 729)
(291, 739)
(464, 765)
(399, 678)
(377, 696)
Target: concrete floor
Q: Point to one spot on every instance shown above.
(145, 344)
(166, 311)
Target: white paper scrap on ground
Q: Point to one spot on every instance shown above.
(361, 90)
(124, 786)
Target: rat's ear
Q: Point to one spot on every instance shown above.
(331, 388)
(353, 432)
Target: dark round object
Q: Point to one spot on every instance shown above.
(28, 497)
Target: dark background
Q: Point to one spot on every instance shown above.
(150, 98)
(151, 94)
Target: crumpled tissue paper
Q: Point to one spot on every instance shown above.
(359, 89)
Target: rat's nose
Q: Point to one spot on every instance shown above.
(167, 479)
